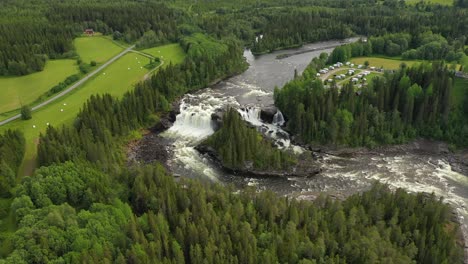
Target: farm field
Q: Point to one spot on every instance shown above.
(169, 53)
(99, 49)
(116, 79)
(382, 62)
(26, 89)
(440, 2)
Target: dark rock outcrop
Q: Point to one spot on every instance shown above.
(217, 118)
(267, 114)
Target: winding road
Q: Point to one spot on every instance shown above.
(73, 87)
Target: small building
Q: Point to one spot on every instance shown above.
(331, 68)
(318, 75)
(89, 32)
(372, 68)
(330, 80)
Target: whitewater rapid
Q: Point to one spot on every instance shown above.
(340, 177)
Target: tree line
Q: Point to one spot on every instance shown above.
(425, 46)
(413, 101)
(71, 212)
(46, 30)
(12, 147)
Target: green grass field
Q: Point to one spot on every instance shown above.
(26, 89)
(382, 62)
(440, 2)
(169, 53)
(99, 49)
(116, 79)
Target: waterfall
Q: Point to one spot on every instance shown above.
(278, 118)
(251, 115)
(194, 120)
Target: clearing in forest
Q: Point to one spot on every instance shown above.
(96, 48)
(116, 79)
(440, 2)
(18, 90)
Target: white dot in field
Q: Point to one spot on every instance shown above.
(64, 104)
(136, 58)
(34, 126)
(104, 73)
(61, 110)
(138, 62)
(141, 67)
(129, 68)
(47, 124)
(159, 51)
(162, 56)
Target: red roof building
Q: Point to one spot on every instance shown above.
(89, 31)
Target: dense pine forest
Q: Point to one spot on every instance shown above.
(84, 204)
(393, 108)
(43, 30)
(242, 147)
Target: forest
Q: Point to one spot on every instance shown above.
(242, 147)
(84, 204)
(425, 46)
(264, 26)
(12, 147)
(413, 101)
(73, 213)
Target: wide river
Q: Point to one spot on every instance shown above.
(415, 172)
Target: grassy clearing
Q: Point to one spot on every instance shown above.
(116, 80)
(439, 2)
(27, 89)
(99, 49)
(169, 53)
(382, 62)
(459, 90)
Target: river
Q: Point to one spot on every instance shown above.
(415, 172)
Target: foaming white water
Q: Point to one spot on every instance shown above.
(256, 93)
(193, 161)
(414, 173)
(192, 125)
(278, 119)
(251, 114)
(194, 120)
